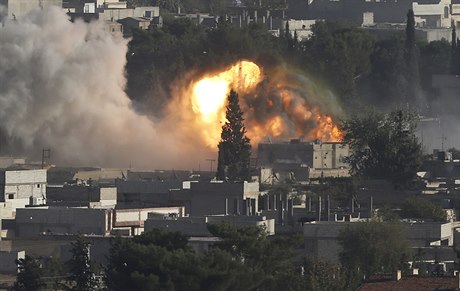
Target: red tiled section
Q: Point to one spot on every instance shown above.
(414, 283)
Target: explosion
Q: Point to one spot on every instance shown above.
(62, 93)
(273, 107)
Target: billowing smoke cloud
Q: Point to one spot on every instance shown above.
(61, 87)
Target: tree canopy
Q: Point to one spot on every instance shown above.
(371, 247)
(421, 208)
(29, 276)
(384, 146)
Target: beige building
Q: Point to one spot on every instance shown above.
(300, 161)
(19, 188)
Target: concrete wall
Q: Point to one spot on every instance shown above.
(137, 217)
(8, 261)
(321, 237)
(222, 198)
(32, 222)
(21, 188)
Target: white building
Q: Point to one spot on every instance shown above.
(19, 188)
(432, 15)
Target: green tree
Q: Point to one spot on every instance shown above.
(29, 276)
(267, 261)
(340, 52)
(422, 208)
(82, 275)
(234, 146)
(324, 276)
(372, 247)
(388, 79)
(157, 260)
(435, 58)
(384, 146)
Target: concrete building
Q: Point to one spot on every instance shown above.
(19, 188)
(145, 193)
(217, 198)
(35, 221)
(130, 23)
(38, 221)
(8, 261)
(82, 196)
(197, 226)
(300, 161)
(321, 236)
(431, 13)
(16, 9)
(132, 221)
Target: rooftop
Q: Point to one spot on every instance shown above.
(413, 283)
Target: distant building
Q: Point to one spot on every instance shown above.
(218, 198)
(82, 196)
(19, 8)
(428, 14)
(300, 161)
(321, 236)
(197, 226)
(38, 221)
(19, 188)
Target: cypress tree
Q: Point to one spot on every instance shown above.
(454, 65)
(411, 57)
(29, 276)
(234, 146)
(82, 274)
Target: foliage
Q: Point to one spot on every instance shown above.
(267, 260)
(244, 259)
(384, 146)
(82, 275)
(340, 51)
(435, 58)
(324, 276)
(29, 276)
(387, 71)
(54, 272)
(159, 56)
(371, 247)
(386, 214)
(234, 146)
(341, 190)
(422, 208)
(455, 153)
(155, 260)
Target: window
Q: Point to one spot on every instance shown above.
(10, 196)
(38, 185)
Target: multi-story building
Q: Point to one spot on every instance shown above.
(300, 161)
(19, 188)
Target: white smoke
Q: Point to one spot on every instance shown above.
(62, 87)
